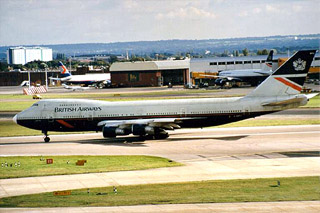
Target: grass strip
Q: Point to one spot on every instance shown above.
(250, 190)
(92, 95)
(31, 166)
(271, 122)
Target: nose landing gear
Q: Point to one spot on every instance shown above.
(46, 138)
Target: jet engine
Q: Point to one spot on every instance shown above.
(142, 129)
(111, 132)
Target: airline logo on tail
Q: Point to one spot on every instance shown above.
(299, 65)
(63, 69)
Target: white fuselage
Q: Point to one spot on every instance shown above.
(245, 73)
(75, 114)
(87, 78)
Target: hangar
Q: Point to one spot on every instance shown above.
(150, 73)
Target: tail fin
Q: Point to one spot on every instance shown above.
(63, 69)
(289, 78)
(268, 64)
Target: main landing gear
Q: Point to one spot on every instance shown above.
(46, 138)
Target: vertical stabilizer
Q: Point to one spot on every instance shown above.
(268, 64)
(289, 78)
(63, 70)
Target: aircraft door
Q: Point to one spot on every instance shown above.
(46, 112)
(46, 117)
(90, 116)
(183, 112)
(246, 111)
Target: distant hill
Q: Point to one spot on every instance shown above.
(281, 43)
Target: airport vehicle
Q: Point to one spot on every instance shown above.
(253, 76)
(151, 118)
(97, 80)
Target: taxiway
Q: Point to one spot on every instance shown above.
(208, 154)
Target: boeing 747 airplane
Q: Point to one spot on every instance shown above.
(280, 91)
(98, 80)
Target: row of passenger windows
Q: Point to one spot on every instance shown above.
(117, 115)
(211, 112)
(64, 105)
(235, 62)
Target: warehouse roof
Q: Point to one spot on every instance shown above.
(150, 65)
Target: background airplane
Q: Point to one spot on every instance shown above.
(97, 80)
(253, 76)
(280, 91)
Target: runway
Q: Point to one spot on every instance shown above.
(208, 154)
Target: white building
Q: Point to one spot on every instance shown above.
(23, 55)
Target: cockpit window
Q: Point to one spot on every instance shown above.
(35, 104)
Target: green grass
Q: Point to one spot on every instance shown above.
(252, 190)
(15, 106)
(313, 102)
(92, 95)
(31, 166)
(271, 122)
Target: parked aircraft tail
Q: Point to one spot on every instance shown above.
(268, 64)
(64, 71)
(289, 78)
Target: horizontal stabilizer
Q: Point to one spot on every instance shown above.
(285, 102)
(309, 96)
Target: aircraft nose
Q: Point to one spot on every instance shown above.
(15, 119)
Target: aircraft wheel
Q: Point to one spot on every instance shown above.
(161, 136)
(100, 86)
(46, 139)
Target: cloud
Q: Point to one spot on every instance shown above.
(272, 9)
(186, 13)
(79, 21)
(243, 13)
(256, 10)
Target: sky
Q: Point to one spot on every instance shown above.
(38, 22)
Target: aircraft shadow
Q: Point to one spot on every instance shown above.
(130, 141)
(231, 138)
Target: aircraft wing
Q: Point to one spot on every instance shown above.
(55, 79)
(165, 123)
(60, 79)
(230, 78)
(263, 73)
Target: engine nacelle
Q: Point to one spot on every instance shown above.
(111, 132)
(149, 130)
(138, 129)
(120, 131)
(142, 129)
